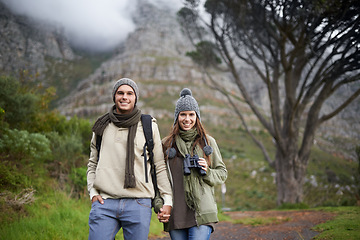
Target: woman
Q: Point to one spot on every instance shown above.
(195, 166)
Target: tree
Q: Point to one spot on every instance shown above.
(304, 51)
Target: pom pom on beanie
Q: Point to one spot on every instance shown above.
(185, 92)
(208, 150)
(171, 152)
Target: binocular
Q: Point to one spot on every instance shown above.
(192, 162)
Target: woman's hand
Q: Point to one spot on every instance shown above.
(202, 162)
(164, 214)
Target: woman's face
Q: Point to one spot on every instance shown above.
(187, 120)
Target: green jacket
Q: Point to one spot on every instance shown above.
(216, 174)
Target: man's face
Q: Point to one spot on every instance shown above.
(125, 99)
(187, 120)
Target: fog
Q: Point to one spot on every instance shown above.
(98, 25)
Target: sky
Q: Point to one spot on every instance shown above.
(87, 23)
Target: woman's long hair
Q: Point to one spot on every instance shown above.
(199, 140)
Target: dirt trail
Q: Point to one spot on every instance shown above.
(289, 225)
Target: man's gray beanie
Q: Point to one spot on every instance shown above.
(126, 81)
(186, 102)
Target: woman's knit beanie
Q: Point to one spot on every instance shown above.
(186, 102)
(126, 81)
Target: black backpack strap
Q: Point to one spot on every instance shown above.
(147, 128)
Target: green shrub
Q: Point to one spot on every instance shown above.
(78, 178)
(19, 105)
(67, 153)
(2, 114)
(20, 144)
(11, 178)
(82, 129)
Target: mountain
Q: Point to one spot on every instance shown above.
(26, 44)
(154, 52)
(154, 56)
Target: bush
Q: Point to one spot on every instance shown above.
(2, 114)
(11, 178)
(66, 155)
(78, 178)
(81, 128)
(19, 106)
(20, 144)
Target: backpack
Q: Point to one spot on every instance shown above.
(157, 202)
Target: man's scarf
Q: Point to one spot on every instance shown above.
(130, 121)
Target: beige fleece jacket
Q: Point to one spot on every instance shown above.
(106, 176)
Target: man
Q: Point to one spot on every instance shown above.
(120, 194)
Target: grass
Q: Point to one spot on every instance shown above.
(346, 224)
(56, 216)
(52, 216)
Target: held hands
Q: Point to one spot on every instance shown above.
(202, 162)
(164, 214)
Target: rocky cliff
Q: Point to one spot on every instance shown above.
(25, 44)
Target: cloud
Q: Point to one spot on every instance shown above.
(98, 25)
(170, 4)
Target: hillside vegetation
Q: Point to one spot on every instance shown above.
(43, 157)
